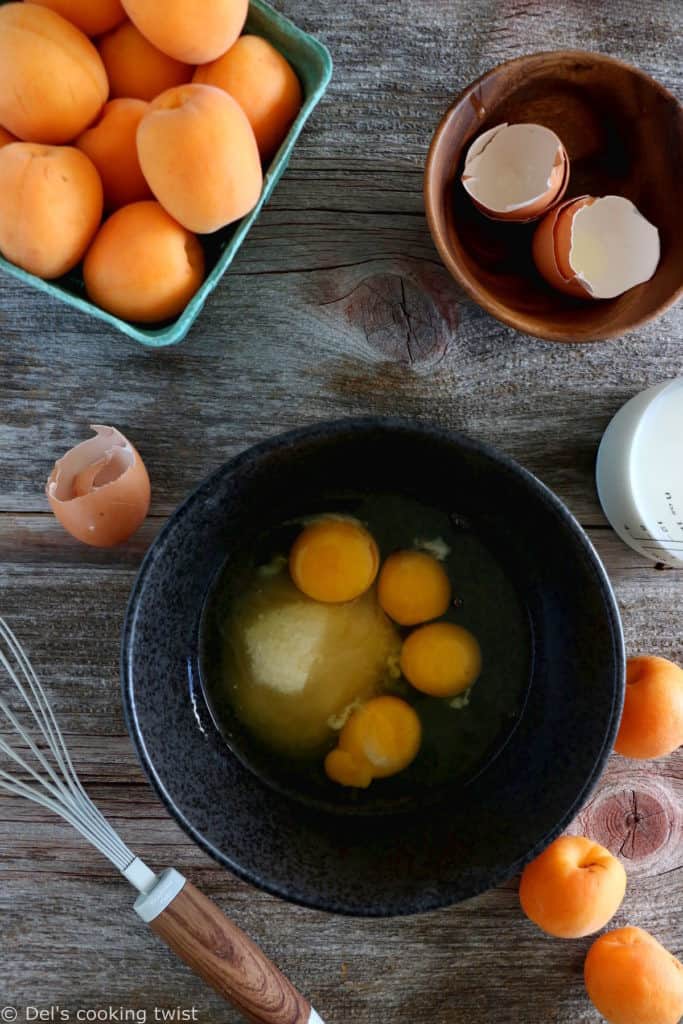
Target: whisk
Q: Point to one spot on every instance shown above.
(193, 926)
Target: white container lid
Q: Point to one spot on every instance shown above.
(639, 473)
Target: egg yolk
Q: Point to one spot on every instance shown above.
(441, 659)
(380, 739)
(334, 560)
(413, 587)
(347, 769)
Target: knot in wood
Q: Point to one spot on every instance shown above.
(643, 825)
(406, 320)
(643, 828)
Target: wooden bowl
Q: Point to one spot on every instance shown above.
(624, 135)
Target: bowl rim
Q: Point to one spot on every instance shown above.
(253, 454)
(520, 321)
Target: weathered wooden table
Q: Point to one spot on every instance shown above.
(336, 305)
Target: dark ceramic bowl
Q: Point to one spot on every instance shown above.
(464, 838)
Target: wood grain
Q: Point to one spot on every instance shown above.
(337, 305)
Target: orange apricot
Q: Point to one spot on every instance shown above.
(632, 979)
(6, 137)
(50, 206)
(652, 721)
(136, 68)
(441, 659)
(263, 83)
(199, 156)
(183, 31)
(111, 145)
(52, 81)
(143, 265)
(573, 888)
(380, 739)
(413, 587)
(92, 16)
(334, 560)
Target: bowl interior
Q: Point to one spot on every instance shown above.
(624, 136)
(457, 742)
(476, 832)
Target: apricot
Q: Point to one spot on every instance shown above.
(263, 83)
(380, 739)
(413, 587)
(52, 81)
(183, 31)
(334, 560)
(573, 888)
(92, 16)
(136, 68)
(199, 156)
(50, 206)
(143, 265)
(652, 722)
(441, 659)
(632, 979)
(5, 138)
(111, 145)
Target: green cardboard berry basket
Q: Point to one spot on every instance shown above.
(313, 64)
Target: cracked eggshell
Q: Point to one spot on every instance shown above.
(544, 251)
(516, 172)
(596, 248)
(99, 491)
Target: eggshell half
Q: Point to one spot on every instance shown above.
(564, 227)
(516, 172)
(613, 247)
(99, 491)
(544, 248)
(596, 247)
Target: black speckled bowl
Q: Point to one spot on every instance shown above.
(477, 834)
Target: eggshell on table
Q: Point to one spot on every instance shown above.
(100, 491)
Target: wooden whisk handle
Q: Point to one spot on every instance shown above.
(227, 959)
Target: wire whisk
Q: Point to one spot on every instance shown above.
(59, 789)
(42, 771)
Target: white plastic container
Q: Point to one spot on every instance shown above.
(639, 473)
